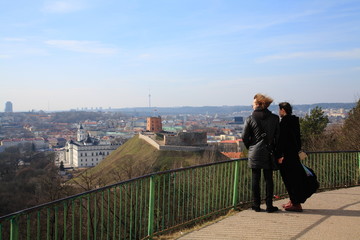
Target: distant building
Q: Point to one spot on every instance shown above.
(8, 107)
(38, 143)
(230, 145)
(186, 139)
(154, 124)
(86, 151)
(238, 120)
(233, 155)
(182, 141)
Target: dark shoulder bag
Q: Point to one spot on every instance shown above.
(311, 183)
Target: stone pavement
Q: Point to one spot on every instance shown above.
(327, 215)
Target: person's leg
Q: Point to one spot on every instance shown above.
(256, 175)
(268, 176)
(285, 176)
(284, 172)
(295, 182)
(296, 194)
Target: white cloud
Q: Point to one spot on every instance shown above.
(286, 18)
(82, 46)
(258, 23)
(349, 54)
(62, 6)
(8, 39)
(4, 56)
(145, 56)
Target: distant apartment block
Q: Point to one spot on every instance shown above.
(341, 112)
(8, 107)
(154, 124)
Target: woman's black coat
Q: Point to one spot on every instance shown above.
(289, 141)
(291, 169)
(259, 156)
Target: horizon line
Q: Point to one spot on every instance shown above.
(154, 108)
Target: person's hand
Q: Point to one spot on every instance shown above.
(280, 160)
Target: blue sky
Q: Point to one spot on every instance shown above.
(61, 55)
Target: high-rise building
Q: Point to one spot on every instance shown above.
(8, 107)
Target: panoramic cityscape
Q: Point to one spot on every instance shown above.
(49, 156)
(137, 119)
(109, 128)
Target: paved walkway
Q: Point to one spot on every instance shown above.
(327, 215)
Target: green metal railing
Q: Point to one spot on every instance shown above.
(154, 204)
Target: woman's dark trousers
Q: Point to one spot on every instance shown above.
(294, 177)
(269, 183)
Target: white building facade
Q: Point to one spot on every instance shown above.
(86, 151)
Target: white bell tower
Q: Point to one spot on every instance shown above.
(81, 134)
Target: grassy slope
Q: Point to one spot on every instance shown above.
(136, 158)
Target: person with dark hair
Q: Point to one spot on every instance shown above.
(260, 136)
(291, 169)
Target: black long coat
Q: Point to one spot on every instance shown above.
(291, 169)
(289, 141)
(259, 156)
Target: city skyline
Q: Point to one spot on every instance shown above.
(62, 55)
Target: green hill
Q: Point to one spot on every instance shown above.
(137, 158)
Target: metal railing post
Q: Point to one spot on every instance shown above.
(151, 206)
(14, 229)
(236, 184)
(359, 168)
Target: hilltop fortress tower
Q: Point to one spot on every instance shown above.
(154, 124)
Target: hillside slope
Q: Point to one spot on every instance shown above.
(137, 158)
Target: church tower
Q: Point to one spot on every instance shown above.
(81, 134)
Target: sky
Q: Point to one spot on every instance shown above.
(72, 54)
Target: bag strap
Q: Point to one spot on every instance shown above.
(307, 171)
(263, 134)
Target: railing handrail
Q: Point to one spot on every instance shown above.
(344, 151)
(24, 211)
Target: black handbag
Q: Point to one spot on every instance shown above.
(311, 182)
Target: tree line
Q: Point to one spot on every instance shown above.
(27, 179)
(318, 135)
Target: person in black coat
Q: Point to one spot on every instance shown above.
(260, 136)
(291, 169)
